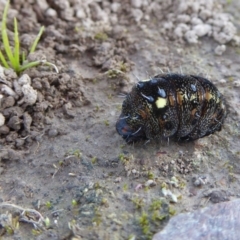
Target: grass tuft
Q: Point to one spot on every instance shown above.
(11, 57)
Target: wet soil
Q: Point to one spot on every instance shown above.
(70, 164)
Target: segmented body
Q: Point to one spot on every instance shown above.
(185, 107)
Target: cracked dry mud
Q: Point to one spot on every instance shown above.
(62, 156)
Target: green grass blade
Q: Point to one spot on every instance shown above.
(37, 63)
(5, 40)
(16, 46)
(23, 57)
(3, 60)
(35, 43)
(29, 65)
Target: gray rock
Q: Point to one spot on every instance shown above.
(4, 130)
(53, 132)
(219, 221)
(7, 102)
(27, 121)
(14, 123)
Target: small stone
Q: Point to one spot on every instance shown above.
(191, 36)
(53, 132)
(216, 196)
(30, 95)
(202, 29)
(168, 193)
(2, 120)
(220, 49)
(196, 21)
(136, 3)
(174, 181)
(48, 120)
(24, 79)
(19, 142)
(150, 183)
(180, 30)
(11, 137)
(115, 7)
(118, 180)
(13, 111)
(50, 12)
(67, 109)
(14, 123)
(223, 81)
(199, 181)
(27, 121)
(4, 130)
(236, 83)
(80, 14)
(137, 14)
(37, 85)
(6, 90)
(7, 102)
(183, 18)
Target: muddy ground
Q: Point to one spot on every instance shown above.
(62, 156)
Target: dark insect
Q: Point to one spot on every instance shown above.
(185, 107)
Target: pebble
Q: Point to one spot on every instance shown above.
(53, 132)
(216, 196)
(223, 81)
(27, 121)
(6, 90)
(50, 12)
(150, 183)
(218, 221)
(180, 30)
(199, 181)
(7, 102)
(37, 85)
(220, 49)
(168, 193)
(118, 180)
(202, 29)
(136, 3)
(115, 7)
(183, 18)
(236, 83)
(24, 79)
(30, 95)
(191, 37)
(14, 123)
(19, 142)
(137, 14)
(4, 130)
(2, 120)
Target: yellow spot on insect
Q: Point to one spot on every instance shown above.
(145, 80)
(161, 102)
(208, 95)
(179, 98)
(193, 97)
